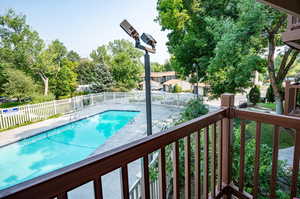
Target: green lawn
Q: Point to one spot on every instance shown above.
(270, 106)
(286, 140)
(12, 104)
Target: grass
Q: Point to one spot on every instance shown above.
(12, 104)
(270, 106)
(286, 139)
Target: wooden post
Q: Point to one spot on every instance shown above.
(227, 101)
(290, 98)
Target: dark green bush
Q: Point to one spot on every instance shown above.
(194, 109)
(270, 95)
(254, 95)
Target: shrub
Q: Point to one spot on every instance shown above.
(119, 89)
(254, 95)
(18, 85)
(39, 98)
(194, 109)
(270, 94)
(177, 89)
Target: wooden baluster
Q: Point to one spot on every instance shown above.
(276, 136)
(220, 154)
(213, 161)
(98, 188)
(187, 166)
(206, 162)
(124, 182)
(162, 173)
(145, 178)
(197, 165)
(242, 157)
(256, 161)
(176, 187)
(295, 164)
(62, 196)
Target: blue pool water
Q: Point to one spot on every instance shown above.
(58, 147)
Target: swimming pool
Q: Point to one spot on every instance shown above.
(58, 147)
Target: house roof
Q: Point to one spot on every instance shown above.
(154, 83)
(175, 81)
(161, 74)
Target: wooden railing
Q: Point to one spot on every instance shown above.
(207, 160)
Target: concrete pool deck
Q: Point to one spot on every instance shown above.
(132, 131)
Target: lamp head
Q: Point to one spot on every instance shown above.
(129, 29)
(148, 39)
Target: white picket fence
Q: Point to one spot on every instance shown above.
(11, 117)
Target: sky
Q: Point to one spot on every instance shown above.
(83, 25)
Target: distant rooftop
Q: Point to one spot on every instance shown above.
(161, 74)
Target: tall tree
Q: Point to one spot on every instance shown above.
(123, 61)
(73, 56)
(19, 44)
(49, 63)
(95, 74)
(189, 40)
(258, 26)
(100, 55)
(65, 82)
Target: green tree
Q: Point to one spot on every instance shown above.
(270, 95)
(168, 66)
(65, 81)
(101, 56)
(18, 84)
(125, 65)
(190, 41)
(256, 28)
(95, 74)
(73, 56)
(19, 45)
(254, 95)
(157, 67)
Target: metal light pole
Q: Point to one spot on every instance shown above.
(149, 40)
(148, 93)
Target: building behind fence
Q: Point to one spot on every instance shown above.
(20, 115)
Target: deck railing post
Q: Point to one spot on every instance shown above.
(227, 101)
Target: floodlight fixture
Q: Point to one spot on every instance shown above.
(129, 29)
(148, 39)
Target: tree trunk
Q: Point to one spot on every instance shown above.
(46, 86)
(46, 83)
(271, 70)
(279, 105)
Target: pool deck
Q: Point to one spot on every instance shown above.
(132, 131)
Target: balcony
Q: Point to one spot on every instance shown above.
(211, 175)
(292, 36)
